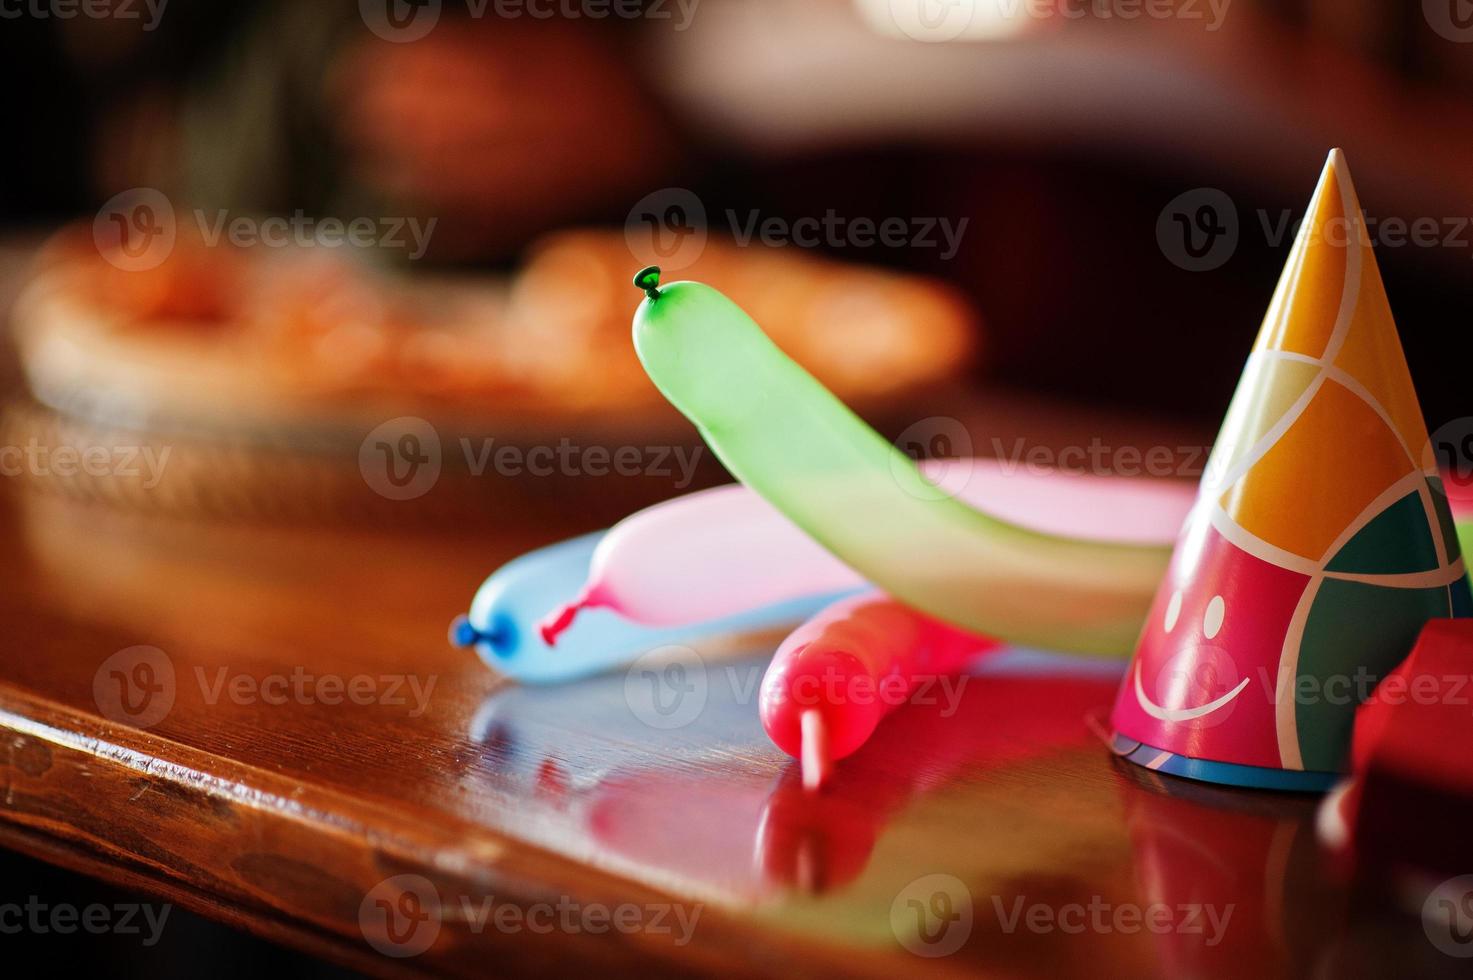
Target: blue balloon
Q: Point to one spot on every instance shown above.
(502, 622)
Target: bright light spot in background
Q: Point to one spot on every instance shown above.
(946, 20)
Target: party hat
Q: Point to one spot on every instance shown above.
(1320, 543)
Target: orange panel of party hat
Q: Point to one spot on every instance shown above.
(1326, 421)
(1266, 395)
(1312, 293)
(1372, 358)
(1335, 459)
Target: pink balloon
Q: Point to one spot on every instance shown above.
(725, 551)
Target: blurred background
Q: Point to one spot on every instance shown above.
(1055, 134)
(269, 241)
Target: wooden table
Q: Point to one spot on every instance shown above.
(318, 766)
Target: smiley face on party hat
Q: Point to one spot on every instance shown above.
(1320, 542)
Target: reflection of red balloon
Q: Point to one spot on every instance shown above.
(998, 721)
(729, 812)
(814, 842)
(687, 822)
(732, 825)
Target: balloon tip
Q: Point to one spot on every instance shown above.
(500, 639)
(462, 633)
(555, 623)
(817, 759)
(648, 279)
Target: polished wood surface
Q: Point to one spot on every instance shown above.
(241, 775)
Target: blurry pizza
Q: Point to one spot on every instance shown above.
(227, 339)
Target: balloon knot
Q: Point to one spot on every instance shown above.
(648, 279)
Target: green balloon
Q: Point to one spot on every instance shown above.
(785, 435)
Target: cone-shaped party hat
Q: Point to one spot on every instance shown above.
(1320, 543)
